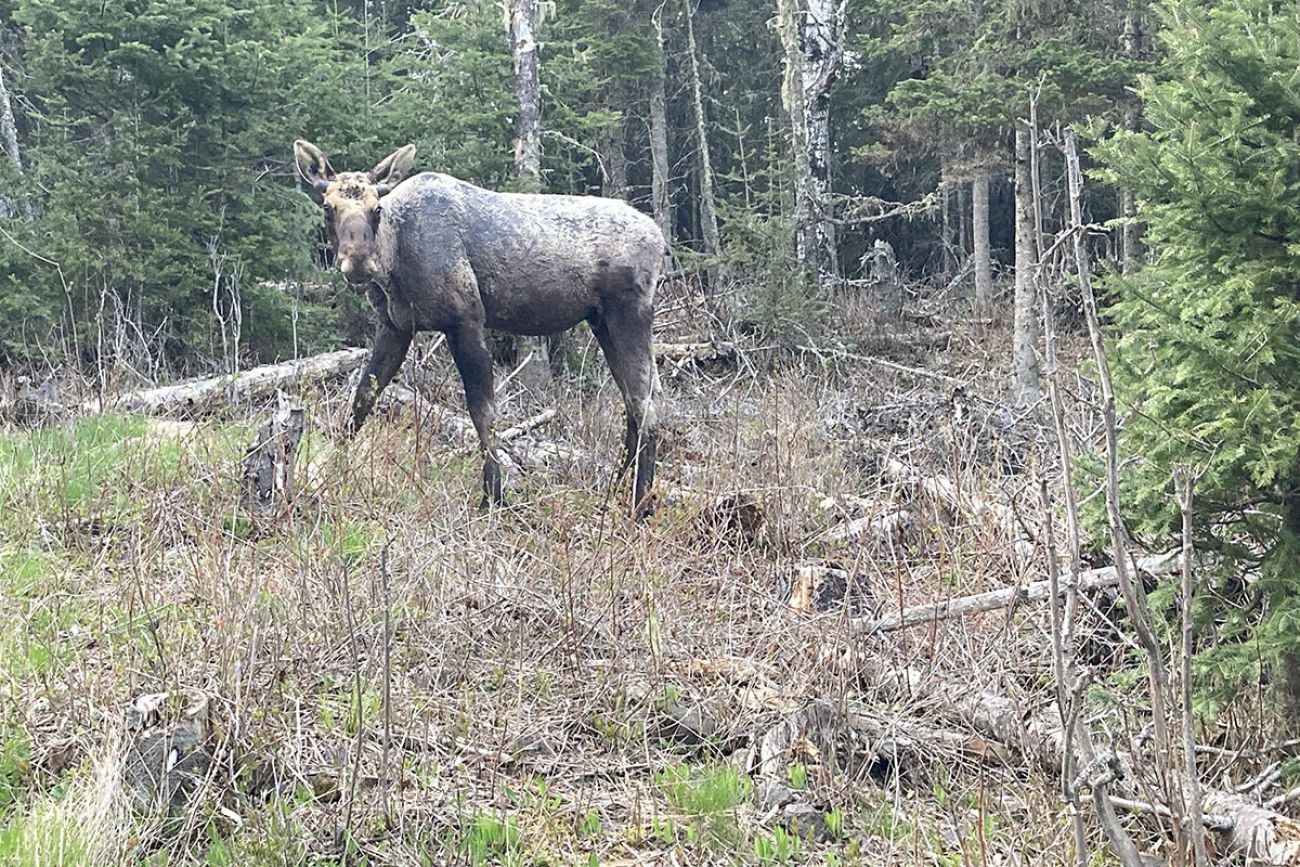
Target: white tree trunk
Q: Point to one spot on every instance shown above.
(812, 35)
(1026, 388)
(708, 209)
(980, 240)
(532, 351)
(16, 204)
(661, 199)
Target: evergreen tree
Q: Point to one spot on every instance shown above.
(1207, 359)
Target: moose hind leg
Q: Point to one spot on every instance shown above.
(470, 352)
(386, 359)
(624, 334)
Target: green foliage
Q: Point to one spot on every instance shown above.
(1208, 335)
(491, 839)
(710, 797)
(159, 137)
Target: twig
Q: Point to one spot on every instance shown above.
(1213, 821)
(388, 679)
(1184, 483)
(527, 425)
(1134, 597)
(870, 359)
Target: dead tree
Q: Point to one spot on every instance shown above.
(660, 200)
(532, 351)
(812, 36)
(708, 208)
(268, 466)
(1025, 359)
(979, 195)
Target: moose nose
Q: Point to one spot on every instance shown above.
(356, 271)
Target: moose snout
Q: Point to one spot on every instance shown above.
(357, 269)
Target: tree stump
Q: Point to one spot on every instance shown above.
(268, 466)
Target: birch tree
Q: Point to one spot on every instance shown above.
(526, 81)
(660, 198)
(708, 207)
(812, 36)
(11, 204)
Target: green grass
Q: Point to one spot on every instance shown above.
(71, 468)
(492, 839)
(710, 796)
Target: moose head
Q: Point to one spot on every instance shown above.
(351, 202)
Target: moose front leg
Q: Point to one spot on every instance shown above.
(470, 352)
(386, 359)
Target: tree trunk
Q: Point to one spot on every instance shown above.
(979, 195)
(1129, 250)
(614, 177)
(1026, 388)
(661, 203)
(18, 204)
(708, 210)
(531, 351)
(812, 35)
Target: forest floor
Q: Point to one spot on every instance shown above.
(383, 674)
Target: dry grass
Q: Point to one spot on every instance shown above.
(398, 678)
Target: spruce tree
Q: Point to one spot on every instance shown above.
(1207, 355)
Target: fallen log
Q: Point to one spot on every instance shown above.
(256, 382)
(992, 600)
(1247, 828)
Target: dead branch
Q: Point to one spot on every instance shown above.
(943, 490)
(1263, 836)
(992, 600)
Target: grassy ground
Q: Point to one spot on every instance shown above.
(397, 678)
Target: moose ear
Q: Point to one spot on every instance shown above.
(312, 164)
(394, 167)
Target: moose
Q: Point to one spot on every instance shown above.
(433, 253)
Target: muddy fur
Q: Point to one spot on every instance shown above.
(438, 254)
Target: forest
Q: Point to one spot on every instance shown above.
(963, 518)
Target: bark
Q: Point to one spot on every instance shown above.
(1026, 390)
(268, 466)
(980, 240)
(708, 208)
(220, 391)
(1130, 249)
(527, 88)
(661, 199)
(812, 36)
(536, 373)
(17, 204)
(612, 143)
(993, 600)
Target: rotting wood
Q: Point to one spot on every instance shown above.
(888, 529)
(268, 478)
(992, 600)
(256, 382)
